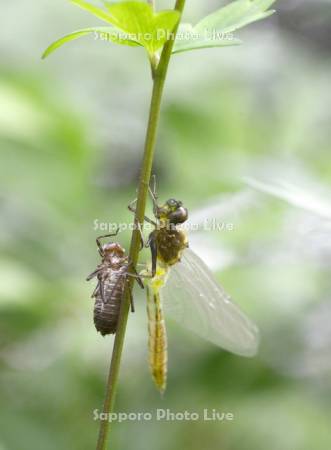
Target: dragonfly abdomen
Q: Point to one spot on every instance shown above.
(157, 342)
(107, 308)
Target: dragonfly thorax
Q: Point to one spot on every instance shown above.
(170, 244)
(113, 254)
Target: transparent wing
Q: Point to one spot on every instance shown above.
(195, 299)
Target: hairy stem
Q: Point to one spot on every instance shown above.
(145, 174)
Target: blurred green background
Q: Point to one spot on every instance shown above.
(245, 139)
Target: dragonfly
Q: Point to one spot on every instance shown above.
(112, 274)
(181, 286)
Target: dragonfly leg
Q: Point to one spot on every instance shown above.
(132, 303)
(93, 274)
(135, 275)
(133, 210)
(98, 240)
(97, 288)
(139, 278)
(153, 194)
(153, 246)
(142, 240)
(131, 206)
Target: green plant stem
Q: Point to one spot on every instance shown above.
(145, 174)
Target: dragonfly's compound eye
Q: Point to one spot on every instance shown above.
(172, 203)
(180, 215)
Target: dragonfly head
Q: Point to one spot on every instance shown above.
(173, 211)
(112, 249)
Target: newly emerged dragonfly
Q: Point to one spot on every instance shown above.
(112, 275)
(184, 287)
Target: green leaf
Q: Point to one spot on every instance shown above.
(136, 24)
(189, 39)
(215, 30)
(138, 20)
(236, 15)
(98, 12)
(101, 31)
